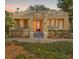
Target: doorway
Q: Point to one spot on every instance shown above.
(38, 25)
(38, 29)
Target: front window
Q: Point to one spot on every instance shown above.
(61, 23)
(56, 23)
(20, 24)
(17, 23)
(25, 23)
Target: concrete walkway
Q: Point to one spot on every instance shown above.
(40, 40)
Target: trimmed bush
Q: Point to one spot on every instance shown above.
(60, 34)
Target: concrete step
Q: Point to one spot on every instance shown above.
(38, 35)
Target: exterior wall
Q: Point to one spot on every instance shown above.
(33, 17)
(53, 14)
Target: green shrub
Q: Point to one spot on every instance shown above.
(60, 34)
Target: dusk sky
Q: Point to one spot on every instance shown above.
(11, 5)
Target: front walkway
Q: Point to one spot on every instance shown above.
(40, 40)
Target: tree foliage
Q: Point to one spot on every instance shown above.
(65, 5)
(38, 8)
(8, 22)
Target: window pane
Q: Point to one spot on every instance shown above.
(25, 23)
(17, 25)
(61, 23)
(56, 23)
(49, 22)
(52, 23)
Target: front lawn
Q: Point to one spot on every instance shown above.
(56, 50)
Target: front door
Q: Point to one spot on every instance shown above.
(38, 25)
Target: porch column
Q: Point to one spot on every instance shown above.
(45, 29)
(30, 24)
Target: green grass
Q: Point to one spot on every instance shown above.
(56, 50)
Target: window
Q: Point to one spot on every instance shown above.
(56, 23)
(52, 23)
(61, 23)
(17, 23)
(49, 22)
(25, 23)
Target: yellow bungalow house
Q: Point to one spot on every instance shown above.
(31, 24)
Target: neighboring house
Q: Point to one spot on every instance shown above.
(33, 24)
